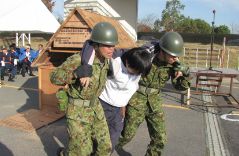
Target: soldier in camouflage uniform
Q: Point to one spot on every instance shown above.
(86, 123)
(146, 103)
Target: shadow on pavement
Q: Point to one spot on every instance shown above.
(122, 152)
(52, 136)
(5, 151)
(30, 87)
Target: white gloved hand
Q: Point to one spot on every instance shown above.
(3, 63)
(15, 62)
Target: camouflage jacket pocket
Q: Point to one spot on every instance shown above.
(155, 103)
(62, 98)
(98, 109)
(80, 113)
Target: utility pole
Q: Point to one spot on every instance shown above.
(212, 38)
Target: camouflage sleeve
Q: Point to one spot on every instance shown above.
(182, 82)
(64, 74)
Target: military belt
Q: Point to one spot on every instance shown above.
(79, 102)
(143, 89)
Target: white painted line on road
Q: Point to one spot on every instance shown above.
(60, 144)
(227, 117)
(175, 106)
(216, 146)
(213, 133)
(17, 87)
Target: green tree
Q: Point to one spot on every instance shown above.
(157, 26)
(146, 24)
(171, 14)
(202, 26)
(185, 25)
(222, 29)
(143, 28)
(148, 20)
(188, 25)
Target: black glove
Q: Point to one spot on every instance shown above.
(181, 83)
(84, 71)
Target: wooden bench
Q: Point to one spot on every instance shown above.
(213, 79)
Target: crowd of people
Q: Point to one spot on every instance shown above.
(107, 92)
(14, 60)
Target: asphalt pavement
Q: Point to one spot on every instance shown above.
(207, 127)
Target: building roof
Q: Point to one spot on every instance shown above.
(75, 30)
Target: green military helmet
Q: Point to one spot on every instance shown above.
(104, 33)
(172, 43)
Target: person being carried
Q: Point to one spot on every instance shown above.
(122, 82)
(86, 123)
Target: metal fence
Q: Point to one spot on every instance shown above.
(203, 57)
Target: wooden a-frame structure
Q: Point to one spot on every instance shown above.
(67, 40)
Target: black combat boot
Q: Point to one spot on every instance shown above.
(31, 74)
(23, 74)
(60, 151)
(11, 78)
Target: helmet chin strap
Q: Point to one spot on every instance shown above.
(163, 59)
(97, 52)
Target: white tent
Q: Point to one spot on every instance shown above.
(26, 16)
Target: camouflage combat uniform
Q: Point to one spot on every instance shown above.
(146, 104)
(86, 123)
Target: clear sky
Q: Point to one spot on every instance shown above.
(58, 9)
(227, 11)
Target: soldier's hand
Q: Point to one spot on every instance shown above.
(178, 74)
(66, 86)
(179, 67)
(85, 81)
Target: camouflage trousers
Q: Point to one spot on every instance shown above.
(88, 130)
(148, 107)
